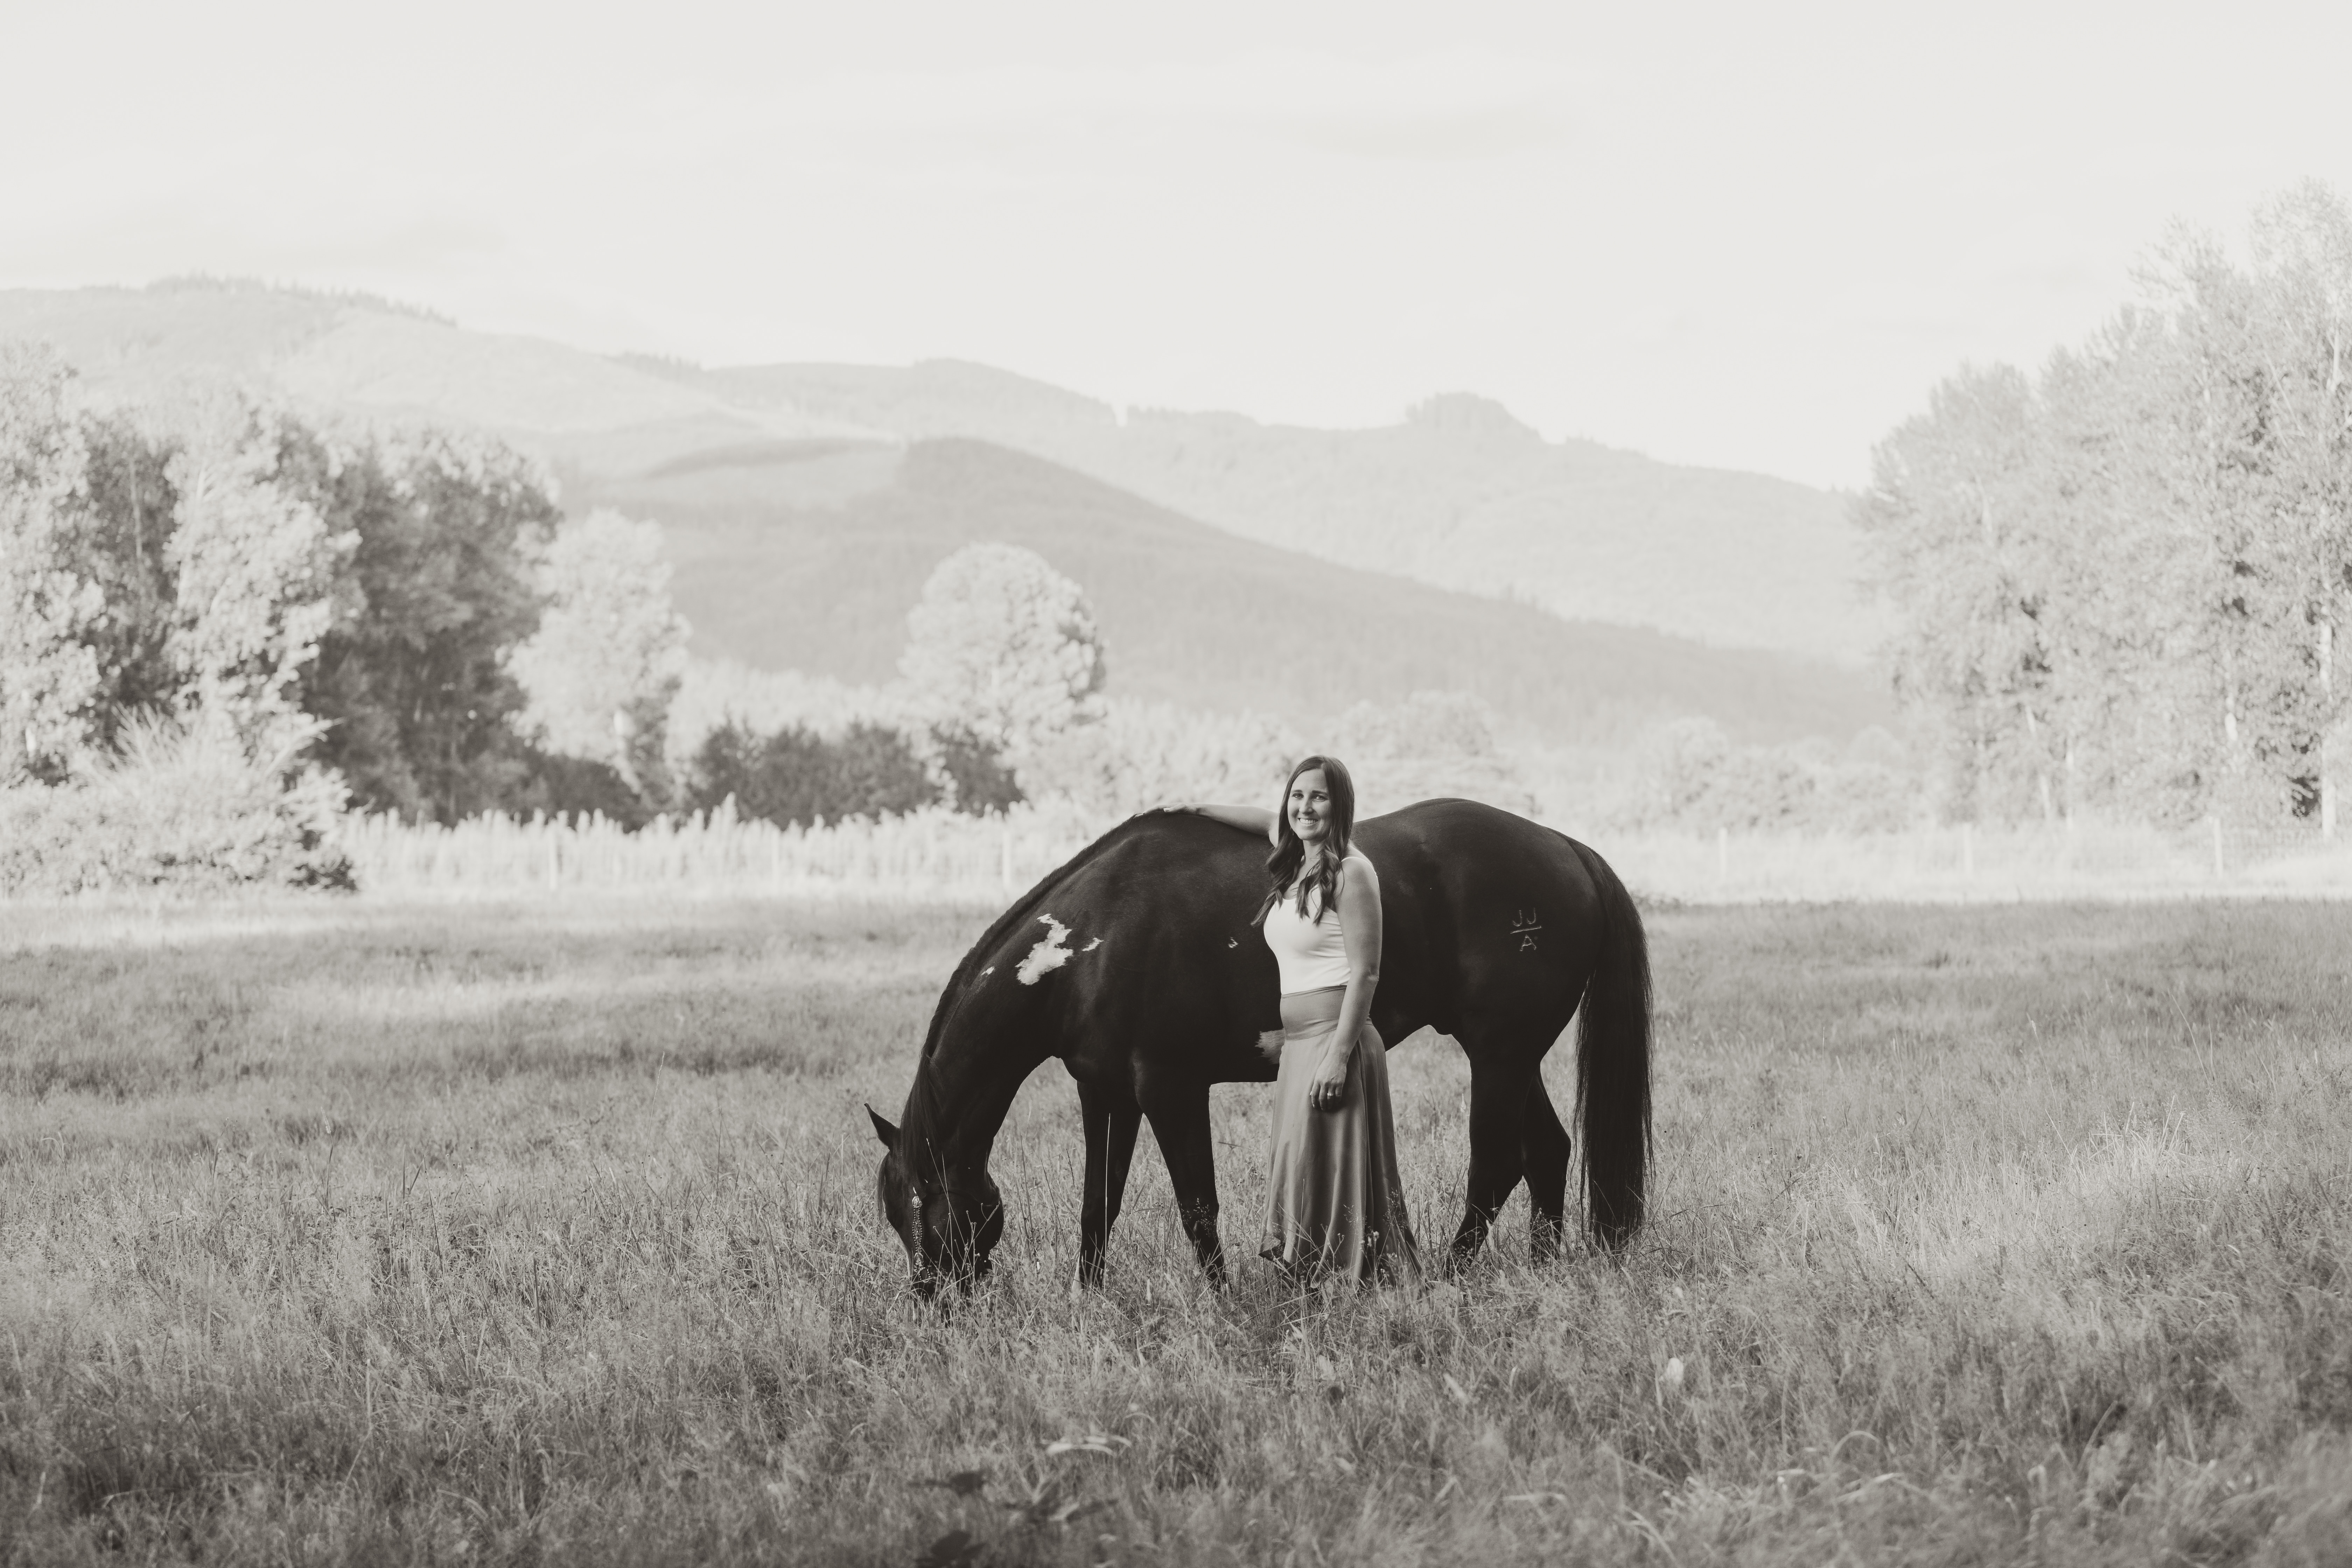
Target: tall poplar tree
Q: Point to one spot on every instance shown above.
(52, 603)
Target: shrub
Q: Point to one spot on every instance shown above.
(563, 785)
(177, 808)
(982, 781)
(795, 775)
(1688, 774)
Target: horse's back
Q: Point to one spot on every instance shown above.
(1487, 914)
(1140, 958)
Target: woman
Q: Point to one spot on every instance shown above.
(1334, 1203)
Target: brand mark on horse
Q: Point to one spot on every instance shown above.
(1525, 925)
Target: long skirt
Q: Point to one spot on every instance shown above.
(1333, 1201)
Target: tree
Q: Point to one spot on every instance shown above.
(413, 677)
(254, 566)
(51, 601)
(796, 776)
(1141, 754)
(609, 653)
(1954, 541)
(1003, 649)
(2303, 254)
(133, 507)
(2121, 584)
(1430, 744)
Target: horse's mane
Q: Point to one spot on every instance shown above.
(1019, 914)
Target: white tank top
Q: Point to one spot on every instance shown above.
(1311, 953)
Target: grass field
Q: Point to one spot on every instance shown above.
(545, 1232)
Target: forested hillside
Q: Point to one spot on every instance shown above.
(808, 555)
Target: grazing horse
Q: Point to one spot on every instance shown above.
(1137, 966)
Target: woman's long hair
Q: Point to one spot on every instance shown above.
(1290, 850)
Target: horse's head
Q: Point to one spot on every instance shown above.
(948, 1218)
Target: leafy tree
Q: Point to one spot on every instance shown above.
(413, 674)
(1003, 649)
(1141, 754)
(254, 566)
(1433, 744)
(2303, 253)
(576, 787)
(976, 771)
(877, 772)
(609, 653)
(1956, 541)
(796, 776)
(2121, 584)
(133, 507)
(52, 603)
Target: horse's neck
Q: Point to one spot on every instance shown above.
(968, 1095)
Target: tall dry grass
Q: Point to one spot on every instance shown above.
(542, 1232)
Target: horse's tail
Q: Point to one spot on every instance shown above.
(1613, 1064)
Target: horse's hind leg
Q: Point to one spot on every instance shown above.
(1180, 1122)
(1111, 1126)
(1498, 1110)
(1544, 1149)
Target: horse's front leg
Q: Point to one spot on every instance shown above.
(1180, 1120)
(1111, 1123)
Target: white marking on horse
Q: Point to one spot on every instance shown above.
(1049, 954)
(1092, 945)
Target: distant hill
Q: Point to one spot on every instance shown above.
(781, 484)
(1459, 494)
(145, 343)
(808, 555)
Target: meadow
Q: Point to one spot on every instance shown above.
(543, 1229)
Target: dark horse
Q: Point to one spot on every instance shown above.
(1136, 964)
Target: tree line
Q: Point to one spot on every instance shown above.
(349, 600)
(2121, 583)
(398, 619)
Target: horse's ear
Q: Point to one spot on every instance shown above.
(883, 1130)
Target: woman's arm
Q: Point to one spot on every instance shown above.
(1255, 819)
(1360, 929)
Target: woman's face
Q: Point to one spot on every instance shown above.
(1309, 806)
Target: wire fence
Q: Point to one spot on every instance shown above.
(939, 854)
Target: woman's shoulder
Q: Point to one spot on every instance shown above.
(1357, 863)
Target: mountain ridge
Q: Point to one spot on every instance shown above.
(1460, 498)
(809, 557)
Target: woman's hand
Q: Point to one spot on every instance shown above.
(1328, 1089)
(1248, 818)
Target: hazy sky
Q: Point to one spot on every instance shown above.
(1748, 235)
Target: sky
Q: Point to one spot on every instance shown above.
(1738, 236)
